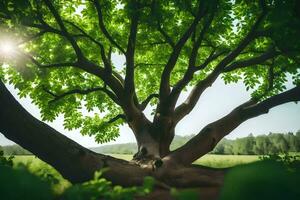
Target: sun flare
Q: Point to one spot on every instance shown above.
(7, 48)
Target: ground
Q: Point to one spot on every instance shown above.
(256, 172)
(37, 166)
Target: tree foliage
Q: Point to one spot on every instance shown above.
(63, 60)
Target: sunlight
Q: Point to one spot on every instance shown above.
(7, 48)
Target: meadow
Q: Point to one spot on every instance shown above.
(241, 176)
(40, 168)
(210, 160)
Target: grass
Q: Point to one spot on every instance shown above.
(223, 161)
(42, 169)
(61, 187)
(216, 161)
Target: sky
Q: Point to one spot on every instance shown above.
(217, 101)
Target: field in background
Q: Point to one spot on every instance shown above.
(59, 184)
(217, 161)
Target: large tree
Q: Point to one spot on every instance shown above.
(64, 62)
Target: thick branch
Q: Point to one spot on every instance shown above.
(186, 107)
(188, 75)
(165, 77)
(74, 162)
(208, 137)
(129, 78)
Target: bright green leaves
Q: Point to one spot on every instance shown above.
(161, 24)
(280, 28)
(101, 128)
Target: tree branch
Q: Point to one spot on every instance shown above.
(188, 75)
(165, 77)
(74, 162)
(33, 37)
(83, 92)
(168, 39)
(213, 56)
(208, 137)
(186, 107)
(119, 116)
(112, 81)
(130, 52)
(271, 53)
(103, 28)
(105, 60)
(51, 65)
(63, 29)
(144, 104)
(271, 76)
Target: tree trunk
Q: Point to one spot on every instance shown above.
(153, 142)
(78, 164)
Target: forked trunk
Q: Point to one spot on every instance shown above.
(153, 144)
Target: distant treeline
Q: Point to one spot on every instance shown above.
(251, 145)
(273, 143)
(258, 145)
(14, 150)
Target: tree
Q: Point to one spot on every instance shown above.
(244, 145)
(63, 62)
(297, 138)
(280, 143)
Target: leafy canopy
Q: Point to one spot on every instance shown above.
(56, 89)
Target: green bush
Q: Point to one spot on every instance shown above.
(100, 188)
(262, 180)
(7, 161)
(19, 184)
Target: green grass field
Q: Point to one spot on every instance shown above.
(40, 168)
(217, 161)
(59, 184)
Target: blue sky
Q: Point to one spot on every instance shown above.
(215, 103)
